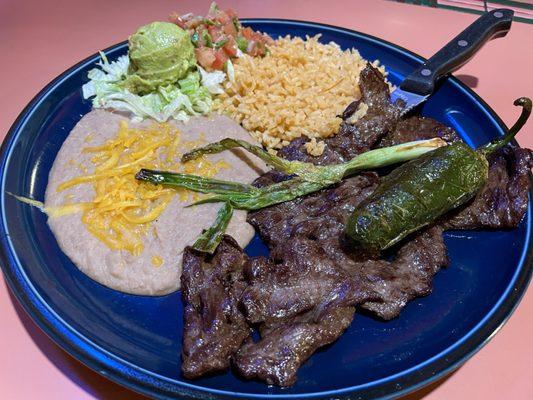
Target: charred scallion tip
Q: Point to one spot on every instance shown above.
(420, 191)
(211, 237)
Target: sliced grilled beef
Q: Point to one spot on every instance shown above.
(318, 215)
(286, 342)
(503, 201)
(285, 346)
(418, 128)
(410, 275)
(311, 267)
(214, 327)
(298, 277)
(304, 295)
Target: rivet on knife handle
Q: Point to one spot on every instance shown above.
(495, 23)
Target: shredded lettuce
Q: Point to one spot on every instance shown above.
(212, 80)
(188, 96)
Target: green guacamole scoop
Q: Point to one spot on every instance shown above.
(160, 54)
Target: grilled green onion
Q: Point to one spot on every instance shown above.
(208, 241)
(328, 174)
(309, 179)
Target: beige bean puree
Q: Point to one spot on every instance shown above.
(174, 229)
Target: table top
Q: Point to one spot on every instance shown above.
(42, 39)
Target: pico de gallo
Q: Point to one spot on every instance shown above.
(219, 37)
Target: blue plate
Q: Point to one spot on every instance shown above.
(136, 340)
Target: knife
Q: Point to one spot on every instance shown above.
(417, 87)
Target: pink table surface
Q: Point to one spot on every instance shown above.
(40, 39)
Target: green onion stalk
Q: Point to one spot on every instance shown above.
(210, 238)
(308, 178)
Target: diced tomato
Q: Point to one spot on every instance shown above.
(256, 48)
(195, 22)
(267, 40)
(217, 15)
(220, 59)
(231, 47)
(229, 28)
(218, 37)
(248, 33)
(206, 57)
(215, 32)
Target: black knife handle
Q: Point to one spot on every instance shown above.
(495, 23)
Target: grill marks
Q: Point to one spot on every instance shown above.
(503, 201)
(285, 346)
(325, 272)
(214, 326)
(305, 294)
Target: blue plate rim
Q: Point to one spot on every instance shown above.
(148, 383)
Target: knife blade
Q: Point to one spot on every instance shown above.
(420, 84)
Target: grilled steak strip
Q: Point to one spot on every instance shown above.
(502, 203)
(418, 128)
(410, 275)
(214, 327)
(284, 347)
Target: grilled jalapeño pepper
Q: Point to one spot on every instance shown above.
(419, 191)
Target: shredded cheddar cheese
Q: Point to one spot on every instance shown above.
(157, 261)
(123, 208)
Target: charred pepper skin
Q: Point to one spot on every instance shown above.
(416, 193)
(419, 191)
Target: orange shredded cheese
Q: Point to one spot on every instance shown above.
(123, 208)
(157, 261)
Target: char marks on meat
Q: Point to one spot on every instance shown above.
(315, 216)
(418, 128)
(410, 274)
(307, 267)
(310, 266)
(304, 295)
(503, 201)
(214, 328)
(285, 346)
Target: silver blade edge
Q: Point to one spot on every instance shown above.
(410, 100)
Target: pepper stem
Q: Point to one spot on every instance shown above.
(525, 103)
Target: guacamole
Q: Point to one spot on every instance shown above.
(160, 54)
